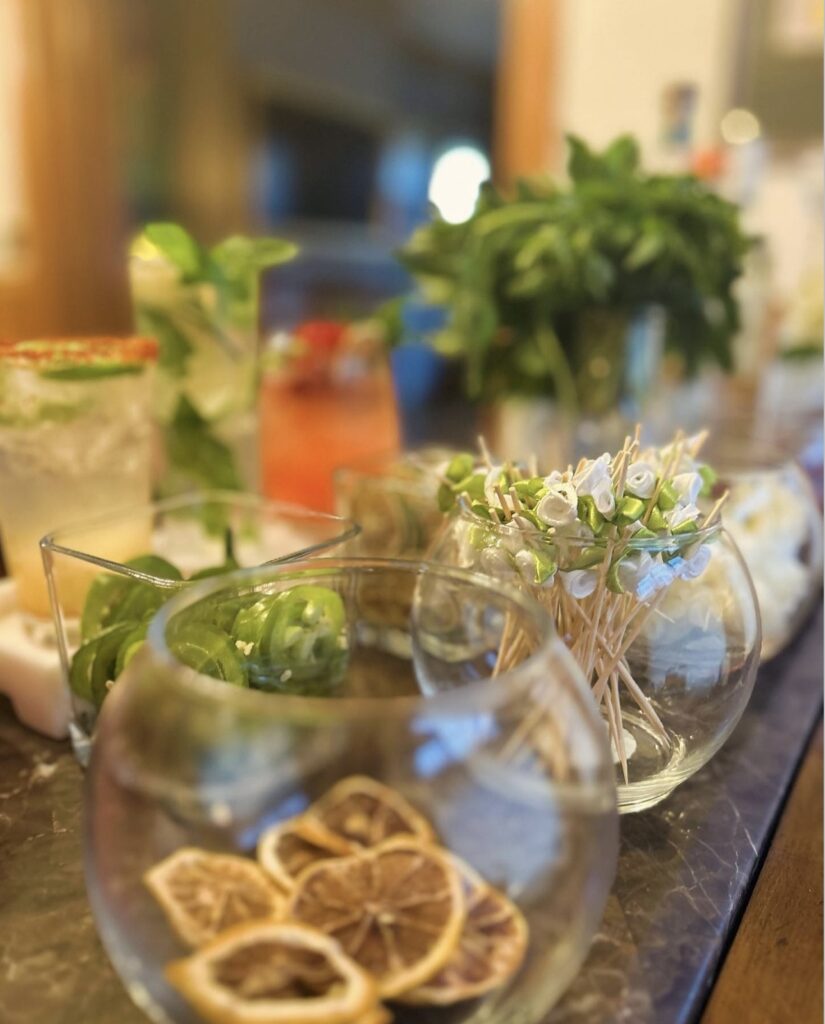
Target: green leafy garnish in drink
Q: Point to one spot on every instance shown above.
(201, 304)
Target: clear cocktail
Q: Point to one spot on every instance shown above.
(75, 438)
(202, 306)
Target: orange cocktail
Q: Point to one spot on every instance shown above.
(328, 402)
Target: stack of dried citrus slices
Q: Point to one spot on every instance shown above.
(351, 903)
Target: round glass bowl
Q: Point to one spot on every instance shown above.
(666, 633)
(773, 516)
(439, 702)
(108, 575)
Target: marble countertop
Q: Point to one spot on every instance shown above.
(685, 872)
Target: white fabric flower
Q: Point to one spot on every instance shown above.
(693, 567)
(593, 474)
(603, 497)
(641, 479)
(559, 506)
(658, 576)
(580, 582)
(526, 565)
(594, 480)
(634, 569)
(496, 562)
(687, 486)
(681, 514)
(554, 478)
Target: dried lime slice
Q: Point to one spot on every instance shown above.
(271, 973)
(288, 849)
(205, 893)
(489, 952)
(398, 910)
(367, 812)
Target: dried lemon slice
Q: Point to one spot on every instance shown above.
(266, 972)
(367, 812)
(378, 1015)
(489, 951)
(397, 910)
(204, 893)
(285, 850)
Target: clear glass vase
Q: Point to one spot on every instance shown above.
(613, 364)
(205, 401)
(393, 500)
(774, 517)
(381, 701)
(108, 575)
(666, 631)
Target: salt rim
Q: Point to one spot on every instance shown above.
(85, 351)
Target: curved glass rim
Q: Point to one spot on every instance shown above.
(56, 541)
(480, 693)
(633, 543)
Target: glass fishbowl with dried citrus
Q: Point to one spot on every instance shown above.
(392, 813)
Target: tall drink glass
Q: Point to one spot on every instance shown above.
(202, 307)
(75, 438)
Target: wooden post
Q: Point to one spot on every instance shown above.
(526, 131)
(70, 277)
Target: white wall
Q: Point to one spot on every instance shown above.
(618, 56)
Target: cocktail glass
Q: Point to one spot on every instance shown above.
(327, 402)
(205, 401)
(75, 438)
(393, 500)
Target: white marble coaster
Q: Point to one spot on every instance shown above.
(30, 673)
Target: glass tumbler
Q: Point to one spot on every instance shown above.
(666, 631)
(774, 517)
(401, 757)
(75, 439)
(393, 500)
(327, 400)
(206, 398)
(108, 575)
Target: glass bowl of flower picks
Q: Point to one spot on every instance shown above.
(629, 555)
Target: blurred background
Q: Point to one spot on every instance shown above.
(340, 124)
